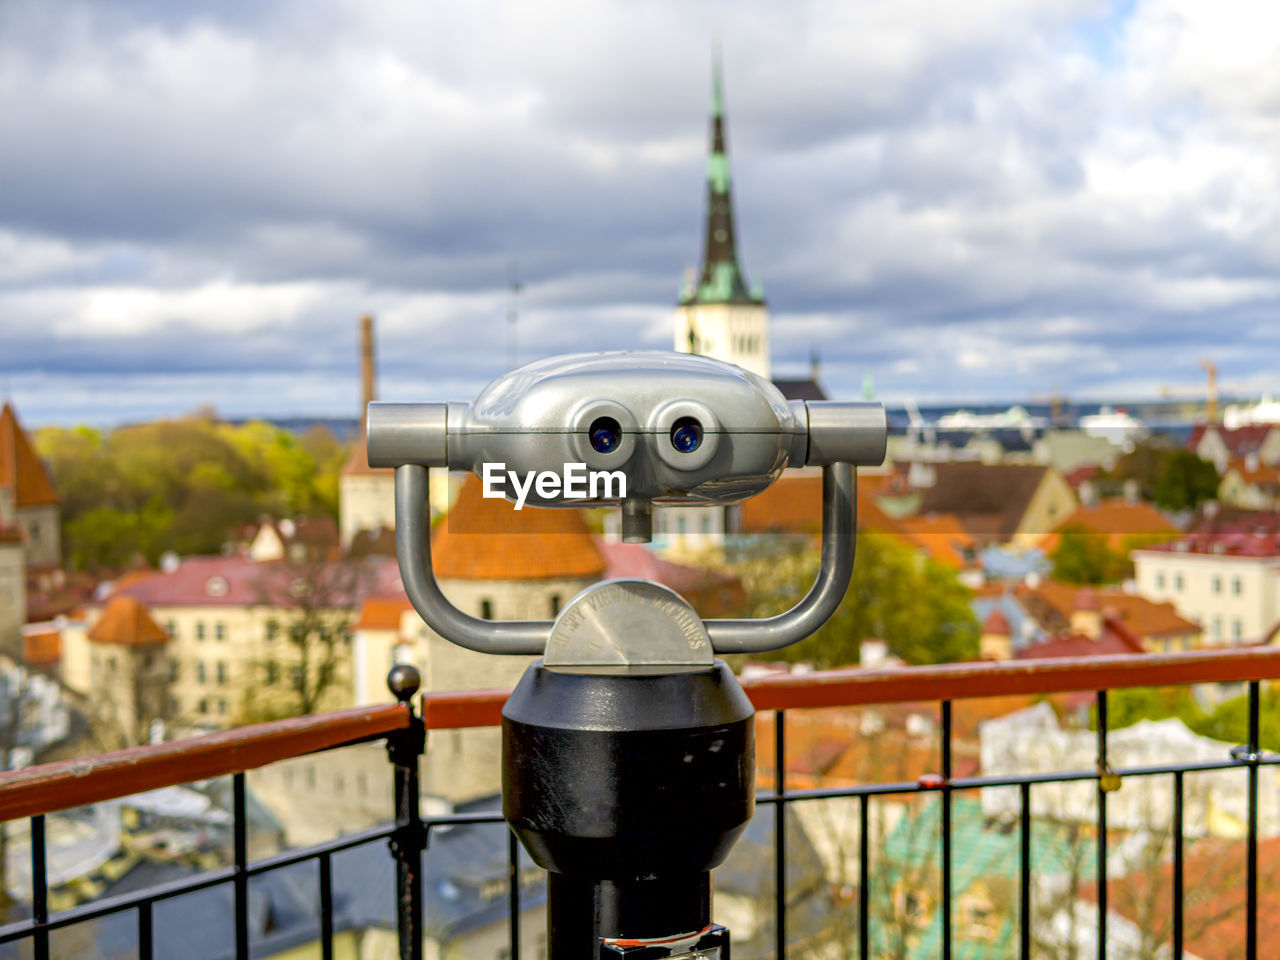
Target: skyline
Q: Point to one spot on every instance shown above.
(978, 205)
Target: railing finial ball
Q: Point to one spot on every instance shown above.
(404, 681)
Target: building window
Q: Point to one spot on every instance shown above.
(486, 609)
(173, 671)
(273, 629)
(199, 629)
(680, 524)
(202, 706)
(171, 628)
(273, 672)
(1160, 580)
(1237, 586)
(174, 707)
(1217, 628)
(201, 675)
(1177, 582)
(219, 631)
(1217, 584)
(295, 677)
(555, 604)
(111, 663)
(222, 671)
(1237, 629)
(706, 523)
(222, 707)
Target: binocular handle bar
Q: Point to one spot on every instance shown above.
(529, 637)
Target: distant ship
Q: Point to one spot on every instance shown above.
(1015, 418)
(1265, 410)
(1114, 425)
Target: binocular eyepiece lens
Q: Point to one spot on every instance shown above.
(605, 434)
(686, 434)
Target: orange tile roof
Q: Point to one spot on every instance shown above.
(942, 535)
(793, 504)
(20, 469)
(489, 539)
(126, 621)
(382, 613)
(1138, 615)
(41, 648)
(1117, 520)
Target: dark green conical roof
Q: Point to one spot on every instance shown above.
(721, 278)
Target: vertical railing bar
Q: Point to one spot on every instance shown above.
(145, 945)
(39, 888)
(513, 895)
(1177, 863)
(1251, 918)
(326, 906)
(1024, 875)
(241, 854)
(945, 821)
(864, 878)
(1102, 826)
(780, 834)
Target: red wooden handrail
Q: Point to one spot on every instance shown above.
(946, 681)
(73, 783)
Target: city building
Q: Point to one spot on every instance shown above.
(27, 496)
(1226, 582)
(229, 622)
(1015, 503)
(1220, 445)
(720, 315)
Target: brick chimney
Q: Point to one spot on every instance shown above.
(368, 391)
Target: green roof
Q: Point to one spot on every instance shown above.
(985, 867)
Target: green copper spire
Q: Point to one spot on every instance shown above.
(721, 278)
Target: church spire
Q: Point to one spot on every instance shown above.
(721, 278)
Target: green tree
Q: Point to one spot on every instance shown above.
(1185, 481)
(1083, 557)
(182, 485)
(920, 609)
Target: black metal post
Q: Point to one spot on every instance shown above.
(239, 822)
(405, 747)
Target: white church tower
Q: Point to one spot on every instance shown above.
(719, 315)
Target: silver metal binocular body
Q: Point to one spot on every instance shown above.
(652, 427)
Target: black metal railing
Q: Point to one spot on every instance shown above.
(36, 791)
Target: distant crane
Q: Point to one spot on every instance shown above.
(1210, 394)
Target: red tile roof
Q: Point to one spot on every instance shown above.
(1215, 900)
(489, 539)
(1255, 545)
(1115, 639)
(126, 621)
(1051, 603)
(997, 624)
(237, 581)
(713, 593)
(1239, 442)
(21, 471)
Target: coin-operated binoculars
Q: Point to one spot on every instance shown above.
(628, 748)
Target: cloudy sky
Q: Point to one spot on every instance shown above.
(987, 200)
